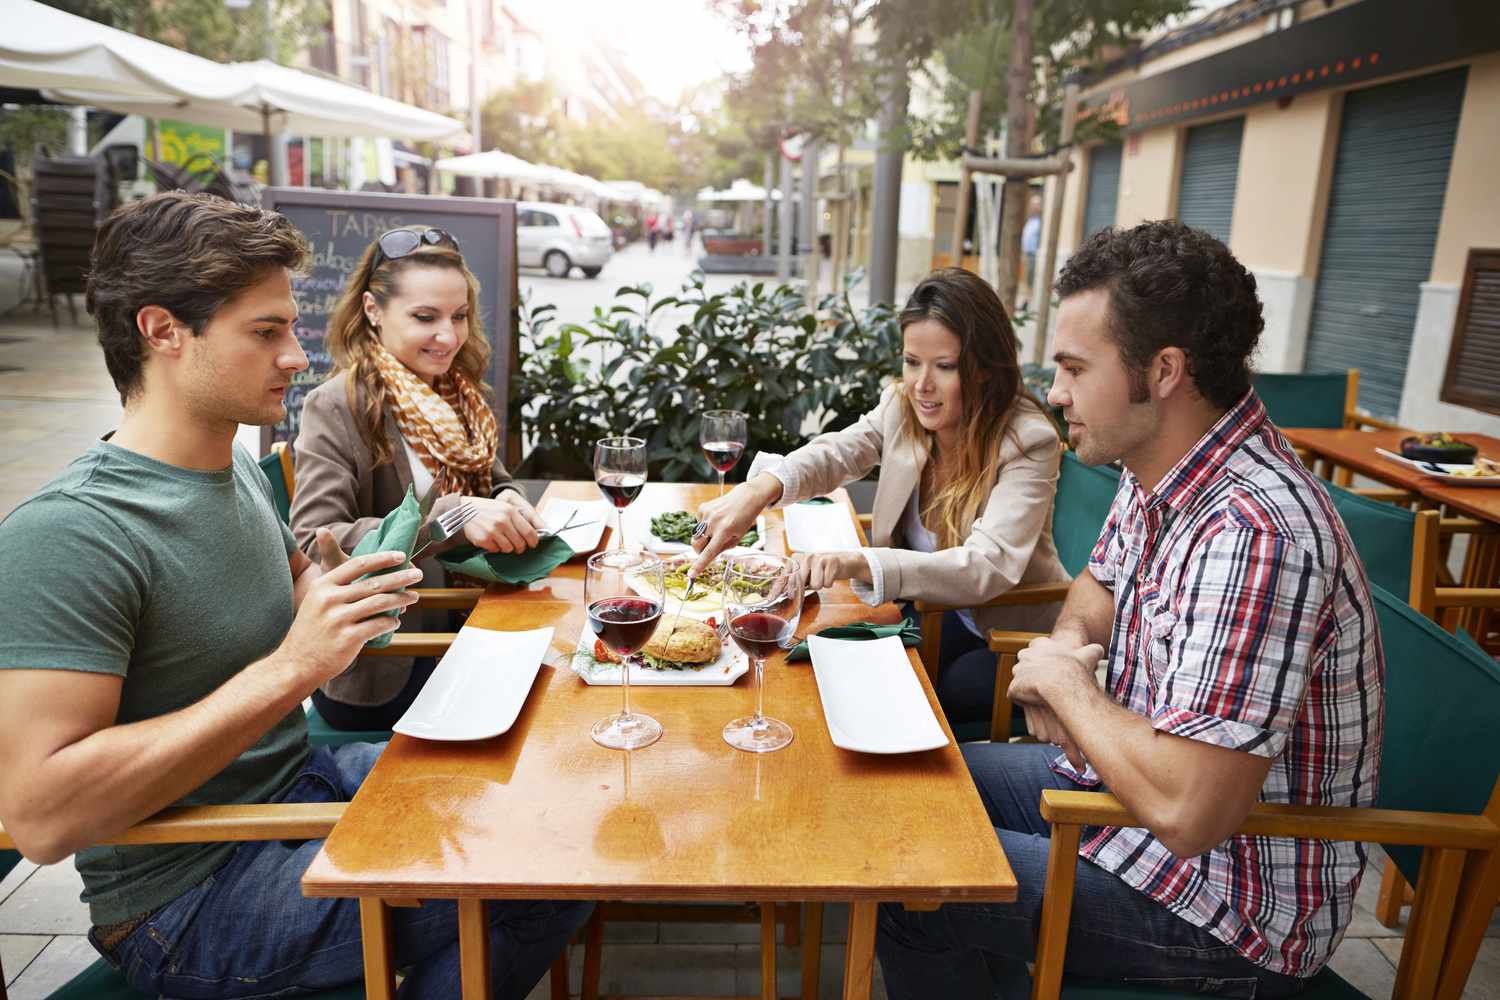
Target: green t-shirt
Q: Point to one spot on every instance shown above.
(175, 580)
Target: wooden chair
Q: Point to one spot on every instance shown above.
(1440, 699)
(1317, 399)
(221, 824)
(1084, 495)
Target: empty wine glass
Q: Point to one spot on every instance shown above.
(620, 474)
(723, 434)
(762, 606)
(623, 594)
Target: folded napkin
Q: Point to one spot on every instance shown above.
(397, 532)
(905, 630)
(519, 568)
(817, 500)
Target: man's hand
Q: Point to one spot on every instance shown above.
(824, 569)
(341, 612)
(1048, 665)
(505, 524)
(1041, 723)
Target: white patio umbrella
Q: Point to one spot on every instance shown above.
(740, 190)
(501, 166)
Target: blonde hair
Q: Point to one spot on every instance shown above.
(350, 339)
(991, 394)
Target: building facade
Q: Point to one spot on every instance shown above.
(1346, 152)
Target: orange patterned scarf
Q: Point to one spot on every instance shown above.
(450, 427)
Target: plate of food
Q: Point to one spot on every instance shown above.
(696, 656)
(671, 532)
(1479, 472)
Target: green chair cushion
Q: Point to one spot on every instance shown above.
(321, 734)
(1442, 695)
(1326, 985)
(8, 860)
(1382, 535)
(100, 981)
(270, 464)
(1304, 399)
(1084, 496)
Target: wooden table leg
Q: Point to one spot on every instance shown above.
(379, 949)
(859, 954)
(812, 950)
(767, 951)
(474, 949)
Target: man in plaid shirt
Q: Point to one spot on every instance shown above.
(1243, 659)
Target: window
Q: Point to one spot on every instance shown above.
(1473, 377)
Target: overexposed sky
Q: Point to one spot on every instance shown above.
(669, 44)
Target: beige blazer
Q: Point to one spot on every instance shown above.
(1010, 543)
(339, 487)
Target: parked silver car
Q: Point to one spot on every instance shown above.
(557, 237)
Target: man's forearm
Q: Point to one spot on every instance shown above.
(1087, 614)
(122, 774)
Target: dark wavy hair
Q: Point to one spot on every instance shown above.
(1171, 285)
(187, 253)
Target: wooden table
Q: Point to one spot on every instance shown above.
(541, 812)
(1355, 449)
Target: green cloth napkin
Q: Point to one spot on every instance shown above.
(817, 500)
(519, 568)
(397, 532)
(907, 631)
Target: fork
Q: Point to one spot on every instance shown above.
(448, 524)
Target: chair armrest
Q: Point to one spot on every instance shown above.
(1011, 642)
(1385, 494)
(1467, 597)
(1385, 826)
(1358, 420)
(216, 824)
(1466, 526)
(448, 598)
(1026, 593)
(415, 644)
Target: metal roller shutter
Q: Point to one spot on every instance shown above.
(1210, 171)
(1395, 148)
(1104, 188)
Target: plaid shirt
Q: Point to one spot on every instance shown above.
(1243, 619)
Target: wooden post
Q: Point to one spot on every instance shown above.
(473, 949)
(1041, 286)
(1017, 143)
(965, 182)
(375, 933)
(859, 956)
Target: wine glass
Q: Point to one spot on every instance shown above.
(620, 473)
(624, 618)
(722, 434)
(762, 605)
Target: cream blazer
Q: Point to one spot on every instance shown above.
(1009, 544)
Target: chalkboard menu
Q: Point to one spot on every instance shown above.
(340, 224)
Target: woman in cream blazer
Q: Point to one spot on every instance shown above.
(968, 473)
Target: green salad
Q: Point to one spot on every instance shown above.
(679, 525)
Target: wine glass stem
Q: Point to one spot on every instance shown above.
(721, 484)
(620, 521)
(625, 688)
(760, 693)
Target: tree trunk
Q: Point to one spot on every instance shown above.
(1017, 143)
(884, 243)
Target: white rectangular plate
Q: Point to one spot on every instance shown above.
(820, 527)
(478, 687)
(640, 527)
(872, 700)
(728, 668)
(593, 516)
(1447, 475)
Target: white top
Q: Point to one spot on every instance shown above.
(919, 539)
(421, 479)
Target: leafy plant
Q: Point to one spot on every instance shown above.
(793, 370)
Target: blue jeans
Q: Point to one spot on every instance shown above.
(973, 950)
(248, 931)
(966, 673)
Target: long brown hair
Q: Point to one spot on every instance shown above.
(991, 392)
(350, 338)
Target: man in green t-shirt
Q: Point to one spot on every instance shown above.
(161, 630)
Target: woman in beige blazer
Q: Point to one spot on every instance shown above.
(405, 408)
(968, 472)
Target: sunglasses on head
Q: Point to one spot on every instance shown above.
(400, 243)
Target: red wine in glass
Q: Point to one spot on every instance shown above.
(620, 490)
(624, 623)
(722, 455)
(759, 634)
